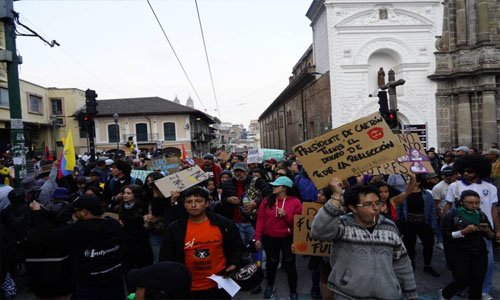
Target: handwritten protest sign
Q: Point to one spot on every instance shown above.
(167, 165)
(224, 156)
(181, 181)
(414, 159)
(257, 156)
(349, 150)
(140, 174)
(302, 237)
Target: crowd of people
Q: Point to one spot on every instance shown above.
(100, 233)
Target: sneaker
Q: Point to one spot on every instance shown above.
(440, 246)
(269, 292)
(430, 270)
(485, 296)
(294, 296)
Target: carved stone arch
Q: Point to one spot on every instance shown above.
(355, 16)
(367, 49)
(413, 15)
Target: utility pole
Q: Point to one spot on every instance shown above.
(9, 56)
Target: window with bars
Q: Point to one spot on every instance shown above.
(169, 131)
(113, 133)
(35, 104)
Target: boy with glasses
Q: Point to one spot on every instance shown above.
(367, 249)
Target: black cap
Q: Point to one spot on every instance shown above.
(90, 203)
(448, 171)
(170, 280)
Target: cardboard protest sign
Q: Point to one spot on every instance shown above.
(254, 156)
(349, 150)
(257, 156)
(302, 237)
(414, 159)
(224, 156)
(181, 181)
(167, 165)
(140, 174)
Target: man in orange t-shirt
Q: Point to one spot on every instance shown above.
(206, 243)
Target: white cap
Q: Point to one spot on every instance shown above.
(109, 162)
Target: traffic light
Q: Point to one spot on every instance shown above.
(392, 119)
(91, 102)
(382, 102)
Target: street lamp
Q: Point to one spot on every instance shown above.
(116, 117)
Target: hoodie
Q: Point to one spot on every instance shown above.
(268, 223)
(94, 247)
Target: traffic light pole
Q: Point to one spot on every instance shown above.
(16, 115)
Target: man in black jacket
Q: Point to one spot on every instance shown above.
(94, 244)
(237, 202)
(213, 245)
(120, 177)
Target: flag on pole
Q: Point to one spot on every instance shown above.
(48, 156)
(68, 161)
(183, 152)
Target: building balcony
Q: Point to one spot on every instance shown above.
(144, 138)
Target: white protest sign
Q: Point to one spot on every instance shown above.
(181, 181)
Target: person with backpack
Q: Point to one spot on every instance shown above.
(120, 172)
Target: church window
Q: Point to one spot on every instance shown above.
(383, 14)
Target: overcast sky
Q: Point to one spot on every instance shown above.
(117, 48)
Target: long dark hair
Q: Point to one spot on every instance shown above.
(137, 191)
(271, 199)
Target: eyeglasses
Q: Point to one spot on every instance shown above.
(280, 174)
(470, 171)
(372, 204)
(473, 203)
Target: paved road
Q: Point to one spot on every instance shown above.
(428, 286)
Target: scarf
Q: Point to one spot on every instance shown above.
(469, 215)
(128, 205)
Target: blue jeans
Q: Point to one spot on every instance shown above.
(491, 266)
(155, 242)
(246, 231)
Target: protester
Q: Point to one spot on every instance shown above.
(392, 198)
(364, 242)
(275, 232)
(306, 187)
(120, 172)
(209, 166)
(462, 150)
(439, 192)
(449, 158)
(155, 205)
(418, 213)
(4, 192)
(206, 243)
(242, 211)
(101, 170)
(464, 230)
(473, 168)
(94, 244)
(48, 176)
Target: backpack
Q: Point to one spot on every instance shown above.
(308, 192)
(253, 194)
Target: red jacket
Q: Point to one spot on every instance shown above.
(269, 224)
(216, 170)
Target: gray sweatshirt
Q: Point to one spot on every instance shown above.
(364, 265)
(48, 187)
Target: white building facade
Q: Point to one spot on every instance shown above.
(354, 38)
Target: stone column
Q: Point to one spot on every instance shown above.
(489, 119)
(461, 23)
(483, 20)
(464, 121)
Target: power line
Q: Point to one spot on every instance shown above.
(74, 59)
(208, 61)
(175, 53)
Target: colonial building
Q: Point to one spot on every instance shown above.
(47, 116)
(303, 109)
(352, 39)
(153, 121)
(468, 74)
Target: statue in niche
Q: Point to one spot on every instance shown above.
(381, 77)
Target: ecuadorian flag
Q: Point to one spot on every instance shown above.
(68, 160)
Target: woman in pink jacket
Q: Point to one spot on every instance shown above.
(275, 232)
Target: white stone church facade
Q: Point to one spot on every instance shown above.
(352, 39)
